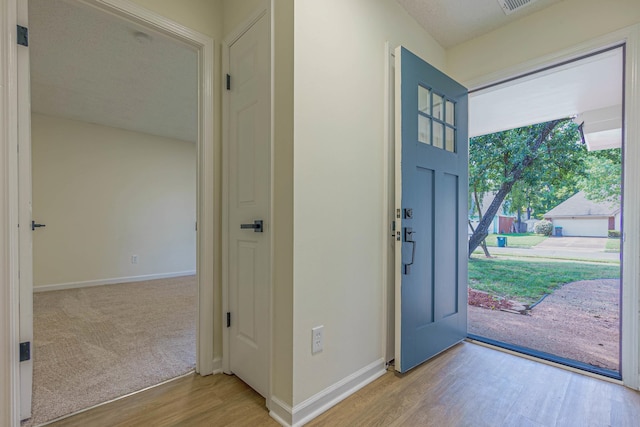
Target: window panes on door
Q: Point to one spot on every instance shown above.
(436, 120)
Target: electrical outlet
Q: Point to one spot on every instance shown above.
(134, 259)
(317, 339)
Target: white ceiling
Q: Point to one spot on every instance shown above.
(591, 87)
(91, 66)
(452, 22)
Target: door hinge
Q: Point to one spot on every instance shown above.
(25, 351)
(228, 319)
(23, 35)
(228, 82)
(196, 225)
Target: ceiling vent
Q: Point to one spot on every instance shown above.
(510, 6)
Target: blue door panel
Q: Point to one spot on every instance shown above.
(434, 237)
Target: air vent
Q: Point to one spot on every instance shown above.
(510, 6)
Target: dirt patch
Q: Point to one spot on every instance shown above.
(579, 321)
(485, 300)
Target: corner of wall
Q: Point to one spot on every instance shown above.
(283, 213)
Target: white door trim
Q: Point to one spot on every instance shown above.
(264, 9)
(388, 260)
(9, 286)
(630, 36)
(207, 263)
(25, 236)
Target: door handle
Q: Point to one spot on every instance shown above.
(34, 225)
(408, 237)
(256, 226)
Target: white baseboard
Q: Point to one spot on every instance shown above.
(327, 398)
(280, 411)
(217, 366)
(100, 282)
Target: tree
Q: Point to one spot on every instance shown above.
(602, 181)
(533, 158)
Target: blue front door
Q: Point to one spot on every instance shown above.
(431, 211)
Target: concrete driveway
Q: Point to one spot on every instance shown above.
(574, 244)
(584, 248)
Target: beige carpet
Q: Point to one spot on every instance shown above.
(94, 344)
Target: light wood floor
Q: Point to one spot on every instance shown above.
(468, 385)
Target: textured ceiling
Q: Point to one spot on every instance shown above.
(452, 22)
(91, 66)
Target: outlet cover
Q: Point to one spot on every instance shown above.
(134, 259)
(317, 339)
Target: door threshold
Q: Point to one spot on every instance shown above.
(64, 417)
(548, 359)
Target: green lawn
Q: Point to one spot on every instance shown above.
(528, 281)
(613, 245)
(519, 240)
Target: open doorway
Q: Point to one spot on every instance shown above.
(552, 284)
(114, 147)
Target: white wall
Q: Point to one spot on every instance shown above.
(106, 194)
(558, 27)
(204, 16)
(339, 237)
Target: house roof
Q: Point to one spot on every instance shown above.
(579, 205)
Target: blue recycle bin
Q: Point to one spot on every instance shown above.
(502, 241)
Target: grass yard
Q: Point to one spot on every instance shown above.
(612, 245)
(527, 281)
(517, 240)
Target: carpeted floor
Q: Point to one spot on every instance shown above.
(94, 344)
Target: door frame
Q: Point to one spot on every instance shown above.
(207, 210)
(265, 8)
(630, 38)
(9, 285)
(630, 307)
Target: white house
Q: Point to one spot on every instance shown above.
(581, 217)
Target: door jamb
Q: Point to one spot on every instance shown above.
(9, 285)
(630, 37)
(264, 9)
(388, 199)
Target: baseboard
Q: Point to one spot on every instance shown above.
(327, 398)
(281, 412)
(217, 366)
(114, 281)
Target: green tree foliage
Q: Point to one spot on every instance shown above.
(530, 168)
(602, 181)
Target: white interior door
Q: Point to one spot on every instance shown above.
(25, 230)
(248, 174)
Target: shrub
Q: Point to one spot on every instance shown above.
(614, 233)
(543, 227)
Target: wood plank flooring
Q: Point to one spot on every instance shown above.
(468, 385)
